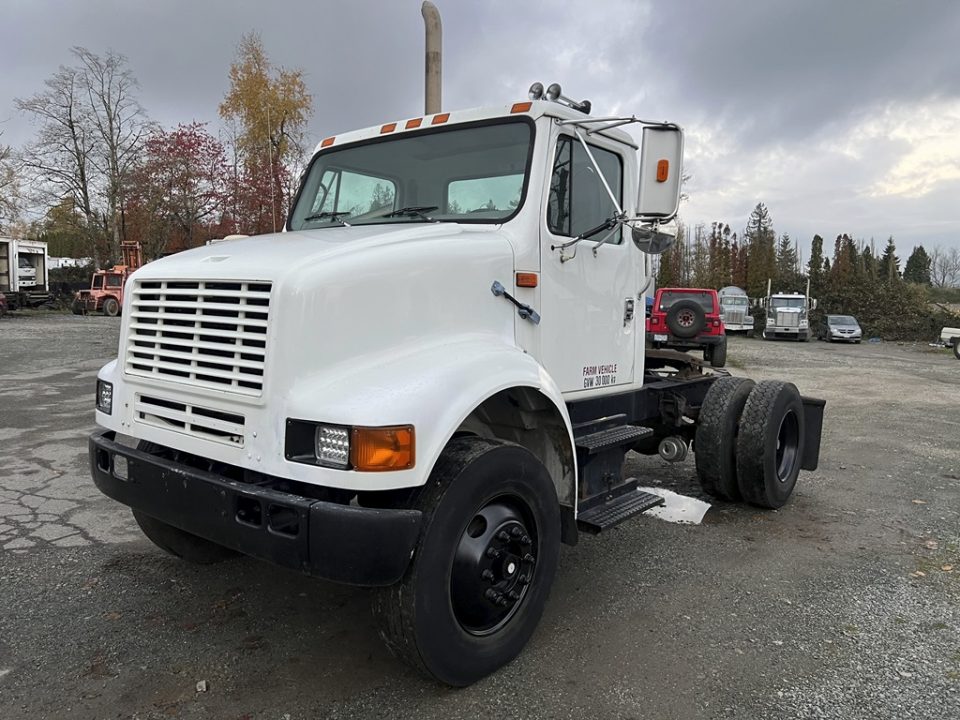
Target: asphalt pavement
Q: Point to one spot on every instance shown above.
(844, 604)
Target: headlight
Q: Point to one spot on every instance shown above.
(332, 446)
(104, 397)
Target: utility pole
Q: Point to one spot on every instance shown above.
(433, 59)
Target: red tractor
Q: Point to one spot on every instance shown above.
(106, 286)
(688, 319)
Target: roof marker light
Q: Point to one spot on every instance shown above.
(327, 142)
(388, 128)
(521, 107)
(414, 123)
(440, 119)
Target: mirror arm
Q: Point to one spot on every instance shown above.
(599, 172)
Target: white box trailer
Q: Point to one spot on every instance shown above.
(24, 272)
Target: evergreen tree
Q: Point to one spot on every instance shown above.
(760, 238)
(815, 269)
(917, 269)
(889, 269)
(788, 273)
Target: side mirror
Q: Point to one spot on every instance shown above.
(654, 239)
(661, 170)
(813, 304)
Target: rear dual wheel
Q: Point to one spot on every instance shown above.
(482, 571)
(749, 441)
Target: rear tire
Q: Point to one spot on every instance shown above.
(715, 444)
(483, 567)
(718, 355)
(111, 307)
(770, 444)
(686, 319)
(77, 307)
(956, 349)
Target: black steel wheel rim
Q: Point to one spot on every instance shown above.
(788, 445)
(493, 565)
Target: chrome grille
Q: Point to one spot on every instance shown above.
(190, 419)
(734, 317)
(788, 319)
(207, 333)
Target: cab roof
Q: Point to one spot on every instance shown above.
(529, 108)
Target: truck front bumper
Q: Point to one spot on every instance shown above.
(343, 543)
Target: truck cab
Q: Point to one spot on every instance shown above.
(735, 310)
(432, 377)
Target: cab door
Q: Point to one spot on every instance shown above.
(590, 313)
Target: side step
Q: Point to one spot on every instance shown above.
(616, 510)
(611, 437)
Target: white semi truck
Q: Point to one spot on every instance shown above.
(431, 379)
(788, 314)
(735, 310)
(24, 272)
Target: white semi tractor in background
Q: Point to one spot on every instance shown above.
(24, 272)
(788, 314)
(735, 310)
(432, 378)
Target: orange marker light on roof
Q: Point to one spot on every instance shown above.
(415, 123)
(521, 107)
(382, 448)
(663, 170)
(526, 280)
(388, 128)
(327, 142)
(440, 119)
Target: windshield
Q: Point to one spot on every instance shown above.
(465, 174)
(733, 301)
(787, 302)
(667, 299)
(841, 320)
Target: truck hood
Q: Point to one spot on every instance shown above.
(270, 257)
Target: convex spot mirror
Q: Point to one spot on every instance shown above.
(654, 239)
(661, 170)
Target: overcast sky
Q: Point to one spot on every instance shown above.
(840, 115)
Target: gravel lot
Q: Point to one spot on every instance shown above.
(844, 604)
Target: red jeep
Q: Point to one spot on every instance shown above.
(688, 318)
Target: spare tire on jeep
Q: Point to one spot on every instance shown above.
(686, 318)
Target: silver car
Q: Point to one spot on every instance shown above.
(840, 327)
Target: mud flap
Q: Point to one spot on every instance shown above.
(813, 425)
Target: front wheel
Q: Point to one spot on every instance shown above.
(111, 307)
(956, 349)
(483, 567)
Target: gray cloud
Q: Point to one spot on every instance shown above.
(772, 92)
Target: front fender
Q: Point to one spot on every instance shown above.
(434, 388)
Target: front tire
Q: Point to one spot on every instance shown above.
(111, 307)
(956, 349)
(483, 567)
(770, 444)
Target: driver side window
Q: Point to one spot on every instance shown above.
(578, 200)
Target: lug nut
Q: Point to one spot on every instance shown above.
(523, 579)
(502, 535)
(525, 540)
(491, 595)
(529, 558)
(487, 575)
(513, 595)
(515, 531)
(493, 553)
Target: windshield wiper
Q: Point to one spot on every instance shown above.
(414, 211)
(328, 215)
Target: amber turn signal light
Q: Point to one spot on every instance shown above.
(382, 448)
(521, 107)
(663, 170)
(527, 280)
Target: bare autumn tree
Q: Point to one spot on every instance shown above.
(90, 130)
(945, 267)
(9, 187)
